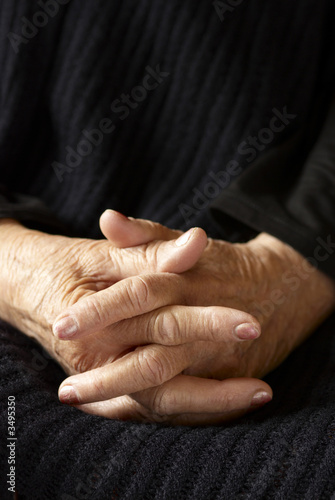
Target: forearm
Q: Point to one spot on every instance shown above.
(13, 272)
(20, 259)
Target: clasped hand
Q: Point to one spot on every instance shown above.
(178, 316)
(157, 325)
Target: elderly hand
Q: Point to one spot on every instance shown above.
(42, 275)
(182, 326)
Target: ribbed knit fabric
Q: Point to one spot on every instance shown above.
(285, 451)
(224, 79)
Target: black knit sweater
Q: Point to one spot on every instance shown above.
(152, 108)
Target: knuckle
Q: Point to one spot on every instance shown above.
(152, 255)
(166, 327)
(79, 364)
(138, 293)
(163, 402)
(98, 385)
(226, 401)
(216, 324)
(97, 308)
(72, 360)
(230, 401)
(152, 368)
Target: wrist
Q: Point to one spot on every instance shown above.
(16, 269)
(294, 281)
(273, 251)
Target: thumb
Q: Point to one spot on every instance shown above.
(124, 232)
(181, 254)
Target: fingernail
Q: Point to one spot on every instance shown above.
(68, 395)
(65, 328)
(184, 238)
(247, 331)
(260, 399)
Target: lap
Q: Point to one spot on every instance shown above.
(286, 450)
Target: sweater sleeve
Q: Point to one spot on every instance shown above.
(31, 211)
(291, 201)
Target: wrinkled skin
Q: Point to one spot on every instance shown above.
(175, 327)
